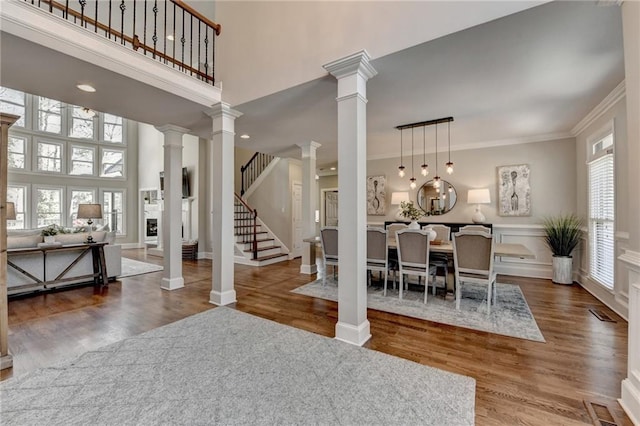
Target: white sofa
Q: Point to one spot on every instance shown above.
(56, 261)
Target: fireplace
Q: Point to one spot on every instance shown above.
(152, 227)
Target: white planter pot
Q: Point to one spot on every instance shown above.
(50, 239)
(562, 270)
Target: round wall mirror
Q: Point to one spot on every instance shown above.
(437, 201)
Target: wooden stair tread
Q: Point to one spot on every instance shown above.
(262, 249)
(272, 256)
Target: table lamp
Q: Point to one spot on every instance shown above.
(11, 211)
(89, 211)
(477, 197)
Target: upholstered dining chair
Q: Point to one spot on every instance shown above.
(473, 262)
(392, 230)
(413, 257)
(329, 240)
(377, 253)
(441, 260)
(480, 228)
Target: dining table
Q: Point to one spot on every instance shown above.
(500, 249)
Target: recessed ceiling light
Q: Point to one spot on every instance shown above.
(332, 168)
(170, 37)
(86, 88)
(245, 136)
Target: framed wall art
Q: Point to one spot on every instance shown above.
(514, 190)
(376, 195)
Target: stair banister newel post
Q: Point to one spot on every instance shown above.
(255, 234)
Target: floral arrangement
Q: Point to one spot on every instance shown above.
(53, 229)
(409, 211)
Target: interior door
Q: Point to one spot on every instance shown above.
(331, 208)
(296, 213)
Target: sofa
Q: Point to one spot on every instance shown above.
(48, 267)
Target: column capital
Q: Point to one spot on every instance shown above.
(359, 62)
(223, 109)
(170, 128)
(309, 148)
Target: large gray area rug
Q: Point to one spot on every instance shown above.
(510, 316)
(132, 267)
(227, 367)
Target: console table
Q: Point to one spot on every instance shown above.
(99, 274)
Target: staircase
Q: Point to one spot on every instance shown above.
(255, 244)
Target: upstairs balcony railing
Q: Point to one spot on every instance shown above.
(169, 31)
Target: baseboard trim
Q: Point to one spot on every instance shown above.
(354, 335)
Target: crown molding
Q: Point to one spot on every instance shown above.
(609, 101)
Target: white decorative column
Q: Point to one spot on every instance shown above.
(6, 121)
(630, 399)
(172, 217)
(222, 187)
(352, 73)
(309, 205)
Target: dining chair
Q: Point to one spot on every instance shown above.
(480, 228)
(392, 230)
(377, 254)
(473, 263)
(329, 240)
(441, 260)
(413, 257)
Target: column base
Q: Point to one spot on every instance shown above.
(630, 401)
(172, 283)
(309, 269)
(6, 362)
(354, 335)
(222, 299)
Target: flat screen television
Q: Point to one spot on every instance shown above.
(186, 188)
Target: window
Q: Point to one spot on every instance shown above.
(48, 206)
(112, 163)
(79, 196)
(49, 157)
(602, 211)
(17, 195)
(13, 102)
(17, 152)
(113, 127)
(81, 123)
(81, 160)
(49, 115)
(112, 210)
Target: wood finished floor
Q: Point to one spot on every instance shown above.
(517, 381)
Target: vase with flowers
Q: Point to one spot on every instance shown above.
(409, 211)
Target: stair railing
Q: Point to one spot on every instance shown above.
(246, 224)
(254, 167)
(163, 26)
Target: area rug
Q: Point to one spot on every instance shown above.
(132, 267)
(227, 367)
(510, 316)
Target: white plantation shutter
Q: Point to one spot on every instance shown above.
(601, 219)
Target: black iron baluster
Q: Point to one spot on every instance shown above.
(83, 3)
(145, 27)
(134, 19)
(50, 6)
(199, 58)
(66, 9)
(109, 31)
(123, 7)
(164, 50)
(174, 36)
(206, 49)
(95, 22)
(191, 47)
(182, 41)
(155, 24)
(213, 48)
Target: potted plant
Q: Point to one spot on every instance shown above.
(562, 235)
(49, 233)
(411, 212)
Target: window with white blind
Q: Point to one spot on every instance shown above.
(602, 211)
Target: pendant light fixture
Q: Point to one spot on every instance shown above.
(436, 178)
(425, 167)
(449, 163)
(401, 168)
(412, 185)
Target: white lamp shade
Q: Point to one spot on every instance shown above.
(11, 211)
(398, 197)
(478, 196)
(89, 211)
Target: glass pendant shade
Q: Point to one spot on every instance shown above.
(449, 167)
(401, 171)
(412, 185)
(425, 170)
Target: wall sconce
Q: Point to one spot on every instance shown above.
(477, 197)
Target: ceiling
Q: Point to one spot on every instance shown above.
(529, 76)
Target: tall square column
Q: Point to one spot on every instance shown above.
(172, 215)
(352, 74)
(221, 163)
(309, 206)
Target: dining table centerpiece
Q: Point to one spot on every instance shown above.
(409, 211)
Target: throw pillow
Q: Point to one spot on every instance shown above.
(23, 241)
(110, 238)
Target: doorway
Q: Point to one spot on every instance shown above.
(329, 207)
